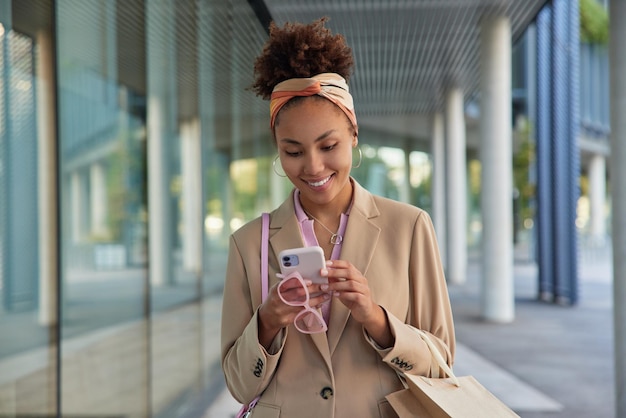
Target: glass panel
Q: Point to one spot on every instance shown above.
(237, 150)
(27, 274)
(102, 169)
(174, 196)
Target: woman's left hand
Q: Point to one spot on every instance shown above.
(347, 283)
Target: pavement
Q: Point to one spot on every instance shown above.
(551, 361)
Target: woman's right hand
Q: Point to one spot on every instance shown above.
(274, 314)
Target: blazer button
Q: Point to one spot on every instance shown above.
(327, 392)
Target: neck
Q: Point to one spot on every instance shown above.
(331, 210)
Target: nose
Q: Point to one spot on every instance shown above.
(314, 163)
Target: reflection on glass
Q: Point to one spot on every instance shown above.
(27, 333)
(104, 366)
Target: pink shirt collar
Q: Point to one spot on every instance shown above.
(308, 232)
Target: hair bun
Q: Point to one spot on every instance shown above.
(298, 50)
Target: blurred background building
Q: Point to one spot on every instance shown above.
(130, 149)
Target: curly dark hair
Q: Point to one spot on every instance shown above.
(300, 50)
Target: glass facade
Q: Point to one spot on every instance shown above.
(594, 89)
(130, 149)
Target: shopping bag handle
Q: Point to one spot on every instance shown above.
(434, 351)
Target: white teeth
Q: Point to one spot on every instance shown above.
(320, 183)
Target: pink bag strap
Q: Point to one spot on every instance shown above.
(265, 232)
(246, 410)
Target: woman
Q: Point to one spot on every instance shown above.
(384, 271)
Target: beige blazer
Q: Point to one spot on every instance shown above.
(341, 373)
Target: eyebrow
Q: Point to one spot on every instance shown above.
(319, 138)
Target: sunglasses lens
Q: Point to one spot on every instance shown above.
(293, 292)
(310, 322)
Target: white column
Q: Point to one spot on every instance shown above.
(161, 120)
(158, 193)
(207, 101)
(405, 187)
(47, 175)
(457, 188)
(191, 195)
(597, 198)
(617, 65)
(76, 206)
(498, 301)
(439, 184)
(98, 196)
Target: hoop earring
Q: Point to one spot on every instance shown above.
(360, 158)
(274, 167)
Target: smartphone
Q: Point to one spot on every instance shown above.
(308, 261)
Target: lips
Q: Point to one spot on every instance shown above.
(319, 183)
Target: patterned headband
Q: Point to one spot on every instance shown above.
(328, 85)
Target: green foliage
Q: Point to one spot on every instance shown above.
(474, 170)
(116, 192)
(594, 22)
(523, 158)
(126, 192)
(421, 195)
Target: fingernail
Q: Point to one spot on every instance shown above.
(324, 272)
(329, 263)
(324, 287)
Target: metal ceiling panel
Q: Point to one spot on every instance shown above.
(408, 53)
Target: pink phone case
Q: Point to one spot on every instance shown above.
(308, 261)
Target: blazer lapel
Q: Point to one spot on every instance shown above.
(360, 230)
(284, 232)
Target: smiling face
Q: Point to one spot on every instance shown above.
(315, 141)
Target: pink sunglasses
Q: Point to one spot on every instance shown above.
(294, 292)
